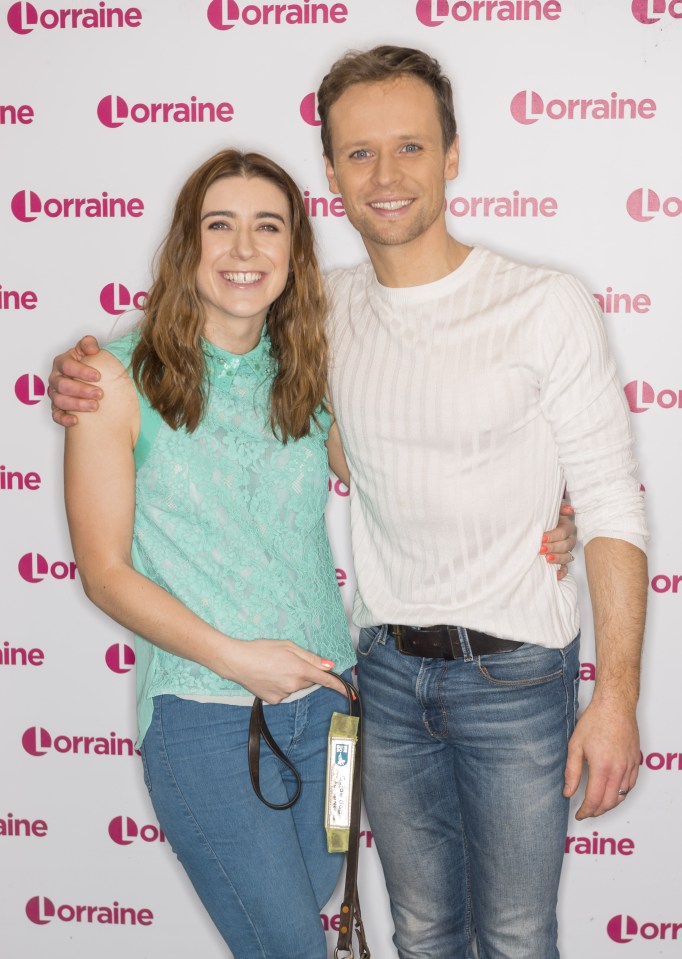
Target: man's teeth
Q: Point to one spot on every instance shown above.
(243, 277)
(390, 204)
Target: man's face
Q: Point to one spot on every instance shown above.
(389, 163)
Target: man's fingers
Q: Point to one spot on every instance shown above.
(64, 419)
(65, 387)
(72, 367)
(72, 404)
(573, 770)
(606, 788)
(88, 344)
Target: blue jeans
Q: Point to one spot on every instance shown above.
(262, 874)
(463, 778)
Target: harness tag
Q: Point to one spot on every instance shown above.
(343, 735)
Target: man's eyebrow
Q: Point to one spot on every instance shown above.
(261, 215)
(363, 144)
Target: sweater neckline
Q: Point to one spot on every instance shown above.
(446, 285)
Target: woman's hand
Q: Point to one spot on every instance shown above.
(558, 543)
(272, 669)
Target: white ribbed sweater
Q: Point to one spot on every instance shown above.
(465, 405)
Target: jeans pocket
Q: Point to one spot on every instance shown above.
(369, 637)
(530, 665)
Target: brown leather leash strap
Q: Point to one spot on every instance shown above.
(257, 728)
(351, 917)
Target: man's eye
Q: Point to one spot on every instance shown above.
(412, 148)
(360, 154)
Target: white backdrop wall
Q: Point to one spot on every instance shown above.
(570, 132)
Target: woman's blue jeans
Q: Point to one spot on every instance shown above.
(463, 777)
(262, 874)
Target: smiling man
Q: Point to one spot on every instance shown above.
(468, 389)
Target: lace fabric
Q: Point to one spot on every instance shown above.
(231, 522)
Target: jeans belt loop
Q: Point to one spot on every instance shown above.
(465, 644)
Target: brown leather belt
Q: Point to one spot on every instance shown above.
(442, 642)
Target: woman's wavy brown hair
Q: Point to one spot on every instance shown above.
(168, 363)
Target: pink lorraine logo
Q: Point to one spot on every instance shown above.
(120, 658)
(648, 11)
(640, 396)
(112, 111)
(36, 741)
(622, 928)
(22, 18)
(26, 206)
(123, 830)
(29, 389)
(432, 12)
(116, 298)
(643, 205)
(40, 910)
(222, 14)
(33, 568)
(527, 107)
(308, 110)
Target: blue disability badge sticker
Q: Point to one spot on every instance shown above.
(340, 757)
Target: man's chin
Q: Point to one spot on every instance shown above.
(388, 234)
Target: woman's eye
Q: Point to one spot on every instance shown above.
(218, 225)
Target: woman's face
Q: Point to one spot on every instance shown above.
(245, 248)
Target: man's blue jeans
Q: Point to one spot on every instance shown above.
(463, 777)
(262, 874)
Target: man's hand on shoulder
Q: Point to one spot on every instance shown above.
(71, 382)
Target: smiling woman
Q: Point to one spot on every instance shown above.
(195, 497)
(245, 241)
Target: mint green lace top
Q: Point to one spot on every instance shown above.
(231, 522)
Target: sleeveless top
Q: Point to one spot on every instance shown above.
(231, 522)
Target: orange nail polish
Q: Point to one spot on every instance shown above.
(550, 557)
(543, 549)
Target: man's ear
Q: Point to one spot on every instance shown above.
(331, 177)
(452, 160)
